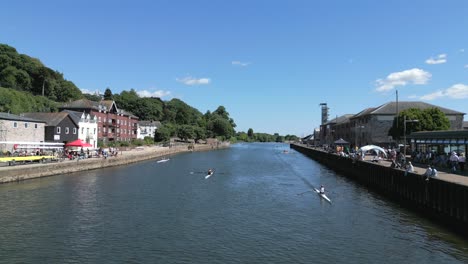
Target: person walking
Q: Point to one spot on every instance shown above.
(461, 162)
(453, 161)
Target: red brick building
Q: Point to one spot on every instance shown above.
(113, 124)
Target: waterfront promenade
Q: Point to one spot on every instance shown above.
(443, 173)
(124, 157)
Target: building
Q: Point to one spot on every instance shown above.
(371, 125)
(440, 141)
(334, 129)
(14, 128)
(87, 126)
(113, 124)
(60, 127)
(147, 128)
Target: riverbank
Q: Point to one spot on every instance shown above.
(33, 171)
(443, 199)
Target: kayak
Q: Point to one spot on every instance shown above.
(162, 160)
(209, 175)
(324, 196)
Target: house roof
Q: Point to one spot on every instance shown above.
(364, 112)
(102, 105)
(441, 134)
(52, 119)
(75, 115)
(82, 103)
(391, 108)
(340, 119)
(149, 123)
(8, 116)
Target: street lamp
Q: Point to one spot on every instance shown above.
(404, 133)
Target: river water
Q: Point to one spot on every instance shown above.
(254, 209)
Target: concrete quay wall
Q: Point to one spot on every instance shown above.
(445, 202)
(33, 171)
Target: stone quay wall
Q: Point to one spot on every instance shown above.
(38, 170)
(442, 201)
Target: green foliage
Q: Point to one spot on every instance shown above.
(17, 102)
(108, 94)
(186, 132)
(23, 73)
(92, 97)
(430, 119)
(163, 133)
(143, 107)
(148, 140)
(250, 133)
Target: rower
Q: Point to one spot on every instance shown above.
(322, 189)
(210, 171)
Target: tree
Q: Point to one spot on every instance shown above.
(186, 132)
(162, 134)
(108, 94)
(430, 119)
(250, 133)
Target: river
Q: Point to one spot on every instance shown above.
(256, 208)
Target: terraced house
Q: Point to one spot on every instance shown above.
(113, 124)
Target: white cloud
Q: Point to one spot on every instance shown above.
(457, 91)
(239, 63)
(158, 93)
(414, 76)
(466, 66)
(462, 50)
(194, 81)
(441, 58)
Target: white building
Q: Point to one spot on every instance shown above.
(87, 126)
(147, 128)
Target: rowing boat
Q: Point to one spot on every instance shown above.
(324, 196)
(209, 175)
(162, 160)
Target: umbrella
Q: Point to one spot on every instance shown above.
(374, 148)
(78, 143)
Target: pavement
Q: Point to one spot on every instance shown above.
(443, 173)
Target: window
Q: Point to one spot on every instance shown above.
(25, 125)
(35, 125)
(67, 130)
(58, 130)
(94, 132)
(15, 124)
(74, 130)
(82, 130)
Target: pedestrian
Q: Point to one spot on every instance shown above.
(454, 161)
(409, 168)
(428, 173)
(461, 162)
(434, 173)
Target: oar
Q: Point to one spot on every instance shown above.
(303, 192)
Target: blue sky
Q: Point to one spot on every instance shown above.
(270, 63)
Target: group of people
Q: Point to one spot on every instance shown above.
(451, 160)
(431, 172)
